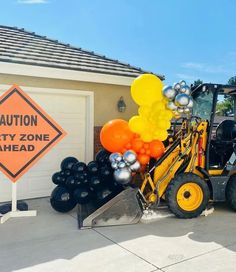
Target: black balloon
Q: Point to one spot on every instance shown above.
(106, 173)
(57, 178)
(79, 167)
(104, 195)
(66, 173)
(95, 183)
(92, 168)
(82, 179)
(102, 157)
(68, 163)
(61, 199)
(82, 195)
(71, 182)
(114, 186)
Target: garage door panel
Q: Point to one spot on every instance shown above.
(61, 104)
(69, 111)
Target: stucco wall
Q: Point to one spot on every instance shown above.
(105, 95)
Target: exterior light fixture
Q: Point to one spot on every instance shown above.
(121, 106)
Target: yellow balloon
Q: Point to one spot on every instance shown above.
(169, 114)
(144, 111)
(146, 89)
(137, 124)
(158, 106)
(146, 136)
(163, 124)
(160, 135)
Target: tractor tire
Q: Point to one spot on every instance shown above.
(187, 195)
(231, 193)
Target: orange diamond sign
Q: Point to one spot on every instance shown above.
(27, 133)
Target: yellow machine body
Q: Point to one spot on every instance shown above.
(165, 172)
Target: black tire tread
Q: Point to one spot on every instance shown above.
(172, 189)
(231, 193)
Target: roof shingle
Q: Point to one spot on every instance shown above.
(23, 47)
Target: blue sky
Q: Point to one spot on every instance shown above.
(182, 39)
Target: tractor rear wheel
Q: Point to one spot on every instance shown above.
(187, 195)
(231, 193)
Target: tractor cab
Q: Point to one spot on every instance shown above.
(216, 103)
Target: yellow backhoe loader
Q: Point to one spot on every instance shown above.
(199, 166)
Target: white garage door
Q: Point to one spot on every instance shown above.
(73, 111)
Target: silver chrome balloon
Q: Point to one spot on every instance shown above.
(121, 164)
(177, 86)
(187, 110)
(190, 103)
(185, 89)
(119, 158)
(182, 100)
(182, 83)
(169, 92)
(135, 166)
(122, 176)
(113, 157)
(180, 110)
(171, 106)
(114, 165)
(129, 157)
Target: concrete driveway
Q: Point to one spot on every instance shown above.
(51, 242)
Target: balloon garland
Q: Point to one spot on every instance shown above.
(128, 146)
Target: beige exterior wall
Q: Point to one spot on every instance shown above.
(105, 95)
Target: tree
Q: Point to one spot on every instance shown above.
(232, 81)
(226, 106)
(197, 82)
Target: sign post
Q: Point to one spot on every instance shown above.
(27, 133)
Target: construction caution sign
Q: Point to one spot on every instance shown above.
(27, 133)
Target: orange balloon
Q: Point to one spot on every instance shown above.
(143, 159)
(115, 135)
(136, 144)
(157, 149)
(123, 150)
(128, 146)
(148, 152)
(142, 151)
(146, 146)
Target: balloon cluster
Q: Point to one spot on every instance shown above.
(179, 98)
(153, 119)
(116, 136)
(124, 165)
(78, 183)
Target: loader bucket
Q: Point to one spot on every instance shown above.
(125, 208)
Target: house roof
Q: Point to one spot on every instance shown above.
(24, 47)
